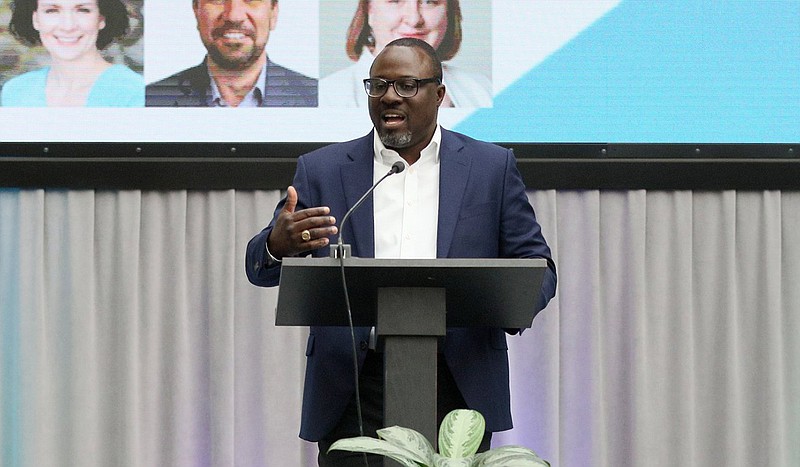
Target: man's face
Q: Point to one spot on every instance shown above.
(405, 123)
(235, 32)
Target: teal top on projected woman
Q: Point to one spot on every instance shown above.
(117, 86)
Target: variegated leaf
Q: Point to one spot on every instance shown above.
(442, 461)
(461, 433)
(375, 446)
(510, 456)
(418, 446)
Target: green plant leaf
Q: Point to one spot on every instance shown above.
(411, 440)
(461, 433)
(442, 461)
(378, 446)
(509, 456)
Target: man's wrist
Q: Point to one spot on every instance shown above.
(271, 259)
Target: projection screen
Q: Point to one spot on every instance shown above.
(541, 72)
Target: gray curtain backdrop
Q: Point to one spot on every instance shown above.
(129, 335)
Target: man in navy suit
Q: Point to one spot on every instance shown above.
(236, 72)
(457, 198)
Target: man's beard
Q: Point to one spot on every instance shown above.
(236, 62)
(396, 139)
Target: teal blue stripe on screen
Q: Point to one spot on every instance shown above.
(10, 366)
(671, 71)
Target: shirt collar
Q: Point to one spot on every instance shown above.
(388, 156)
(253, 98)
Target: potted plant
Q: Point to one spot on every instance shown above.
(459, 437)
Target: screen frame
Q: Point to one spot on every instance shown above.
(271, 166)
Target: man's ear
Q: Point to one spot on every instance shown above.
(273, 20)
(195, 9)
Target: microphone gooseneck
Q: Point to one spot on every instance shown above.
(339, 252)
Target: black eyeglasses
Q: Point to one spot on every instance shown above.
(404, 87)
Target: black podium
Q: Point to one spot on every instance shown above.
(410, 303)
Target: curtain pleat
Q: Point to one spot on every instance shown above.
(131, 337)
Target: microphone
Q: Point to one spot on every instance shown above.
(341, 250)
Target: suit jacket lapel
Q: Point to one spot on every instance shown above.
(356, 177)
(453, 172)
(193, 85)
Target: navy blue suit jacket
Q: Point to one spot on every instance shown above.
(483, 213)
(192, 88)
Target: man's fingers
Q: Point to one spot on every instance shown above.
(315, 216)
(291, 205)
(291, 200)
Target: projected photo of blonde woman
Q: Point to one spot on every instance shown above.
(440, 23)
(73, 70)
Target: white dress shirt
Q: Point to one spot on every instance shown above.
(406, 205)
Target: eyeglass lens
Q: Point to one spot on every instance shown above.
(406, 87)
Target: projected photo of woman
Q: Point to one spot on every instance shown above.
(73, 32)
(378, 22)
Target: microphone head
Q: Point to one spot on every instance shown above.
(398, 167)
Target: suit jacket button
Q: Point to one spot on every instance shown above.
(364, 345)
